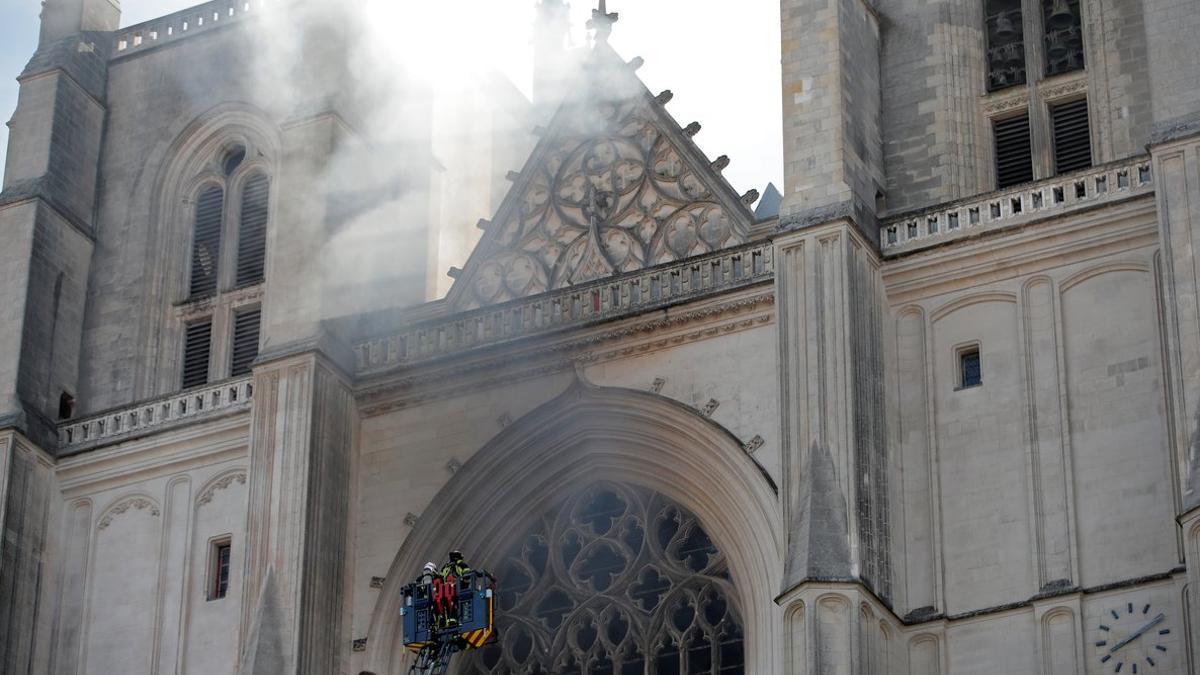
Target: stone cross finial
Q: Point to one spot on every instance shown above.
(602, 22)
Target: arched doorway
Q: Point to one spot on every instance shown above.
(614, 580)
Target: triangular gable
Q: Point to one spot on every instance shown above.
(614, 185)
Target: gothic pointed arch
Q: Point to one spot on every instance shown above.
(613, 186)
(198, 157)
(655, 455)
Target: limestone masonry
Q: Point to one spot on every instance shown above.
(931, 407)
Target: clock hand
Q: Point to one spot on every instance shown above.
(1136, 634)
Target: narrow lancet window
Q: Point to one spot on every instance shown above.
(252, 234)
(206, 242)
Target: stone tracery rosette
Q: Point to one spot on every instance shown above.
(613, 193)
(617, 579)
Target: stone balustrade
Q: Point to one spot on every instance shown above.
(134, 420)
(185, 22)
(1023, 204)
(596, 301)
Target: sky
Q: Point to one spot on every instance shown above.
(720, 59)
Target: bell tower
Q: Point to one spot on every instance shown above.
(65, 18)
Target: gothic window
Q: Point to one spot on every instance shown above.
(1005, 44)
(617, 580)
(1063, 36)
(227, 264)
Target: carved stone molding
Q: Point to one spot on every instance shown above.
(613, 187)
(1060, 88)
(136, 503)
(997, 104)
(225, 481)
(753, 444)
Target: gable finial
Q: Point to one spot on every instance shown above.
(602, 21)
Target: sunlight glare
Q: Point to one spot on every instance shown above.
(452, 41)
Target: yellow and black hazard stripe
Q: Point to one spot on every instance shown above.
(417, 646)
(478, 638)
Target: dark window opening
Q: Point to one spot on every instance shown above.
(252, 235)
(218, 584)
(1014, 151)
(206, 242)
(970, 371)
(245, 342)
(233, 159)
(66, 406)
(197, 346)
(1005, 44)
(1063, 36)
(1072, 136)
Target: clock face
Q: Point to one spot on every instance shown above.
(1131, 638)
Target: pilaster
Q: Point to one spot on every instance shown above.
(26, 487)
(840, 629)
(830, 300)
(298, 518)
(833, 149)
(1177, 177)
(1190, 523)
(46, 214)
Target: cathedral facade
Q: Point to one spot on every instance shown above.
(931, 407)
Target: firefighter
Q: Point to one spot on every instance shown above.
(446, 593)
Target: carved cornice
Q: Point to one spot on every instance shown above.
(997, 104)
(581, 307)
(1018, 206)
(1060, 88)
(550, 357)
(147, 417)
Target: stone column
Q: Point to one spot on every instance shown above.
(298, 523)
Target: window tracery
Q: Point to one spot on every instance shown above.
(617, 580)
(612, 190)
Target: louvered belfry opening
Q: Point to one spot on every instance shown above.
(252, 235)
(1072, 136)
(1063, 36)
(1005, 44)
(206, 242)
(245, 341)
(197, 346)
(1014, 152)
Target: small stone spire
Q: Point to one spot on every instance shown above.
(602, 22)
